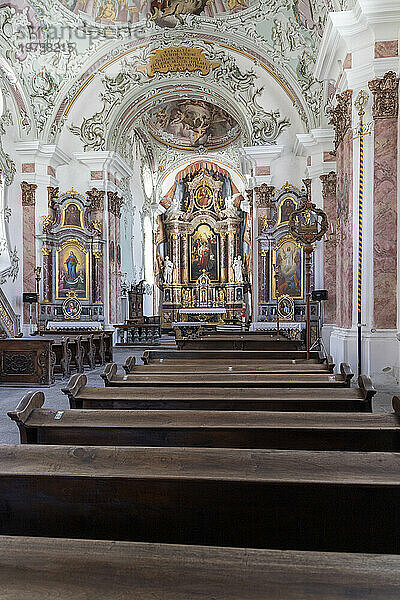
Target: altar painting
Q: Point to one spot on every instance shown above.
(204, 253)
(288, 257)
(72, 216)
(72, 271)
(287, 206)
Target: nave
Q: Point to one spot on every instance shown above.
(199, 299)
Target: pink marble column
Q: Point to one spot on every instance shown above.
(176, 256)
(223, 265)
(29, 243)
(96, 198)
(111, 256)
(385, 113)
(117, 270)
(47, 276)
(329, 199)
(185, 257)
(97, 277)
(341, 118)
(262, 275)
(231, 255)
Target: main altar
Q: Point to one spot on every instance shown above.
(203, 249)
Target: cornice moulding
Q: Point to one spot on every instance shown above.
(104, 161)
(317, 141)
(262, 155)
(322, 168)
(356, 29)
(48, 154)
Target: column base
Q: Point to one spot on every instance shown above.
(380, 354)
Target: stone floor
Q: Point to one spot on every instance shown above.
(10, 396)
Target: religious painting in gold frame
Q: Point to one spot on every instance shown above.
(285, 209)
(203, 196)
(72, 216)
(72, 271)
(285, 308)
(204, 253)
(288, 256)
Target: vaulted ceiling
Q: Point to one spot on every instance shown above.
(83, 71)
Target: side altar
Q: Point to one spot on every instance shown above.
(203, 249)
(72, 247)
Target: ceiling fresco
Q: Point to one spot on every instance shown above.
(166, 13)
(191, 124)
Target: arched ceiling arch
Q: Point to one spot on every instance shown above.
(228, 56)
(167, 178)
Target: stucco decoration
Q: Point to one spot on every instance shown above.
(12, 271)
(232, 81)
(284, 35)
(7, 165)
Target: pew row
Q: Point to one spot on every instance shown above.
(206, 366)
(151, 356)
(227, 378)
(271, 499)
(235, 343)
(262, 430)
(49, 568)
(337, 399)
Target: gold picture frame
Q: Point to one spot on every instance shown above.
(288, 255)
(72, 270)
(283, 216)
(72, 216)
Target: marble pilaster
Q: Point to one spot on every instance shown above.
(329, 265)
(385, 114)
(29, 240)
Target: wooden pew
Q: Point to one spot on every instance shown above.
(27, 361)
(216, 429)
(206, 366)
(228, 378)
(236, 343)
(154, 356)
(51, 568)
(276, 499)
(214, 398)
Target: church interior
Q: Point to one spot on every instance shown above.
(199, 299)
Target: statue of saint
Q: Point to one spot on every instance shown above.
(238, 269)
(168, 270)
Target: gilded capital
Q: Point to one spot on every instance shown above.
(264, 195)
(114, 204)
(28, 193)
(328, 185)
(96, 198)
(52, 195)
(340, 116)
(386, 96)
